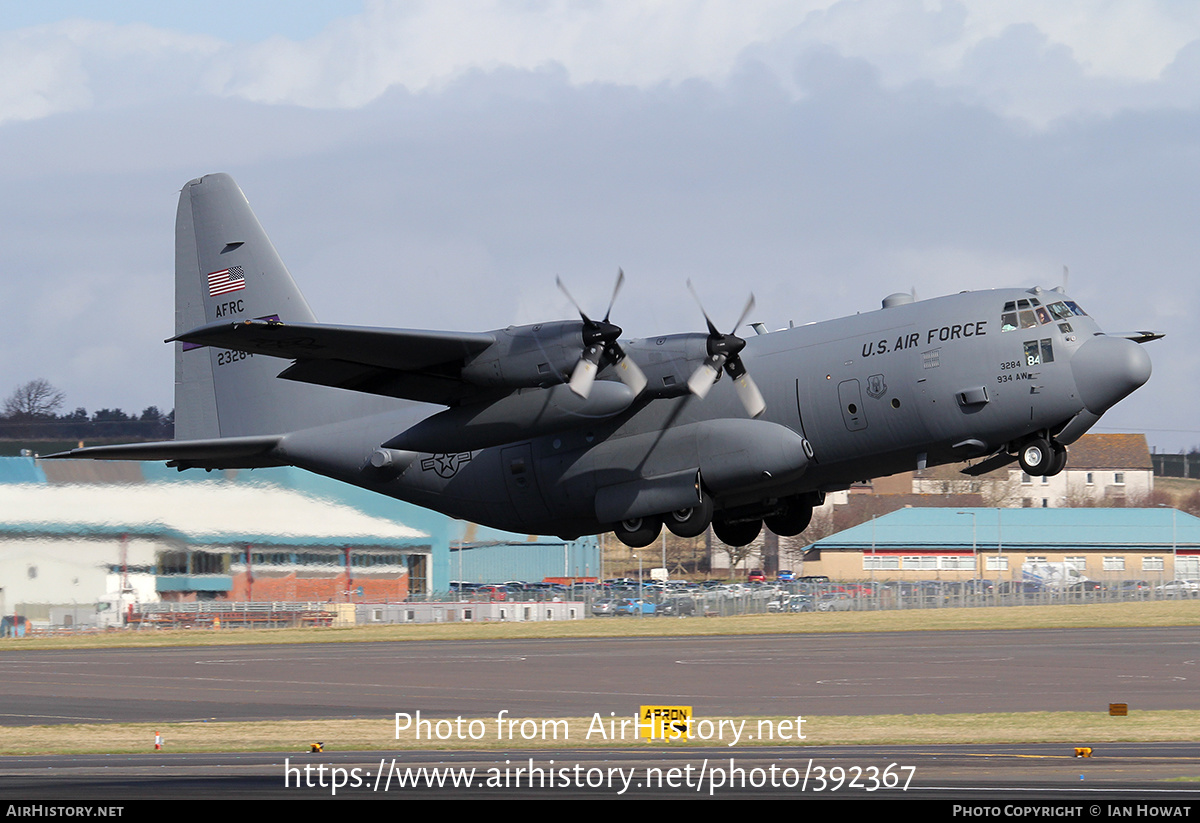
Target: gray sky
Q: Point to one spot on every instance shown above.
(435, 165)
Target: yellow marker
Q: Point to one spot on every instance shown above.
(665, 722)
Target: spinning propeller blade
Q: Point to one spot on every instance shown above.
(724, 351)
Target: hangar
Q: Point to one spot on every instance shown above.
(948, 544)
(85, 538)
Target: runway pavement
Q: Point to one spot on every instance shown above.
(842, 674)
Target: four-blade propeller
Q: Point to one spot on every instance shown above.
(600, 348)
(724, 350)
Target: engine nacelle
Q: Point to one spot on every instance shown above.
(540, 355)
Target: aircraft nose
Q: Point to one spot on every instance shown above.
(1108, 369)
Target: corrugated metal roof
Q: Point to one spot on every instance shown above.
(213, 512)
(1058, 529)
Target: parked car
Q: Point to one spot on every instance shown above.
(835, 602)
(791, 603)
(1133, 589)
(632, 606)
(1179, 588)
(604, 608)
(756, 576)
(494, 592)
(677, 607)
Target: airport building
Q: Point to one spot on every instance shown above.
(994, 543)
(80, 541)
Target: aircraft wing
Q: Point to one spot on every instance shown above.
(214, 453)
(416, 365)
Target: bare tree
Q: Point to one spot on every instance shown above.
(33, 400)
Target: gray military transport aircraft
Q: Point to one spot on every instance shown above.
(559, 428)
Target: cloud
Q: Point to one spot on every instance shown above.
(1033, 61)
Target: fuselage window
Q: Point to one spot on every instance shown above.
(1033, 355)
(1047, 351)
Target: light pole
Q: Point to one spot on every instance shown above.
(999, 554)
(640, 600)
(974, 549)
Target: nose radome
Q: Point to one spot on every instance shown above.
(1108, 369)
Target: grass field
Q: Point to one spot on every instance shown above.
(1071, 728)
(1068, 728)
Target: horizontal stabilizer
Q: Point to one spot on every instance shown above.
(214, 453)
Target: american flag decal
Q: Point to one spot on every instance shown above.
(226, 280)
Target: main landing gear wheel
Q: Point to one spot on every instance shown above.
(737, 534)
(1035, 457)
(690, 522)
(638, 532)
(1058, 459)
(791, 521)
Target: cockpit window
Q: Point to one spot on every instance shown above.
(1060, 310)
(1030, 313)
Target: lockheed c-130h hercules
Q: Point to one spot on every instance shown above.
(562, 428)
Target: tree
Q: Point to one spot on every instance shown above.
(33, 400)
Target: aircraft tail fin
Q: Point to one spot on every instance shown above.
(227, 269)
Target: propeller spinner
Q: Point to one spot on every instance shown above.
(600, 348)
(724, 351)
